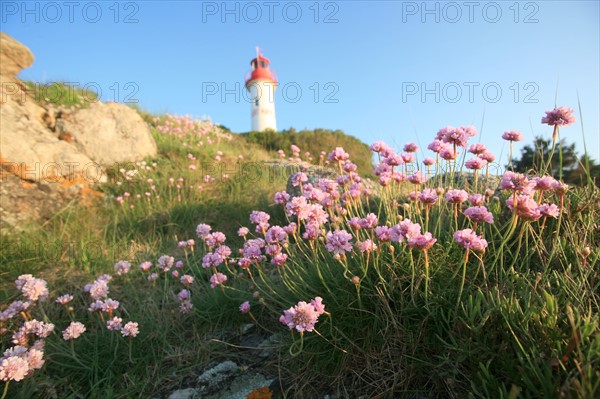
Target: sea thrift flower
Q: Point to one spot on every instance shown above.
(299, 178)
(130, 329)
(152, 276)
(211, 260)
(122, 267)
(477, 148)
(338, 242)
(468, 239)
(179, 264)
(13, 368)
(35, 358)
(64, 299)
(428, 161)
(279, 259)
(175, 274)
(488, 156)
(110, 305)
(378, 146)
(115, 324)
(368, 222)
(73, 331)
(526, 207)
(476, 163)
(217, 279)
(410, 147)
(366, 246)
(562, 116)
(183, 295)
(338, 155)
(421, 241)
(476, 199)
(243, 231)
(281, 197)
(203, 230)
(456, 196)
(165, 263)
(383, 233)
(22, 279)
(96, 306)
(417, 178)
(186, 279)
(516, 182)
(275, 234)
(544, 183)
(145, 266)
(98, 289)
(479, 214)
(214, 239)
(405, 229)
(512, 135)
(303, 316)
(312, 231)
(549, 210)
(296, 206)
(34, 289)
(245, 307)
(408, 157)
(428, 196)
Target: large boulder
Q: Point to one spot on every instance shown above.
(108, 133)
(14, 56)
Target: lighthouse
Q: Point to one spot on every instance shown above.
(261, 82)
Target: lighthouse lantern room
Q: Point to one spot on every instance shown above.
(261, 82)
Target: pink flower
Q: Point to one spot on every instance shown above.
(217, 279)
(476, 199)
(186, 279)
(383, 233)
(64, 299)
(296, 206)
(338, 242)
(110, 305)
(214, 239)
(303, 316)
(428, 196)
(145, 266)
(338, 155)
(130, 329)
(562, 116)
(98, 289)
(279, 259)
(405, 229)
(211, 260)
(479, 214)
(35, 358)
(436, 145)
(281, 197)
(165, 263)
(243, 231)
(366, 246)
(122, 267)
(476, 163)
(152, 276)
(115, 324)
(477, 148)
(202, 230)
(368, 222)
(393, 160)
(544, 183)
(245, 307)
(549, 210)
(417, 178)
(516, 182)
(526, 207)
(299, 178)
(408, 157)
(378, 146)
(13, 368)
(22, 279)
(456, 196)
(410, 147)
(354, 223)
(183, 295)
(34, 289)
(421, 241)
(428, 161)
(73, 331)
(275, 234)
(512, 135)
(488, 156)
(469, 240)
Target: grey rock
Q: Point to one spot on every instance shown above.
(183, 393)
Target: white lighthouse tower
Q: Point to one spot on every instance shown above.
(261, 82)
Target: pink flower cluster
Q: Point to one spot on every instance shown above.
(303, 316)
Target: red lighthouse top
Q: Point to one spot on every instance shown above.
(261, 69)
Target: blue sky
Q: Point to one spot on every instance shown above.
(395, 71)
